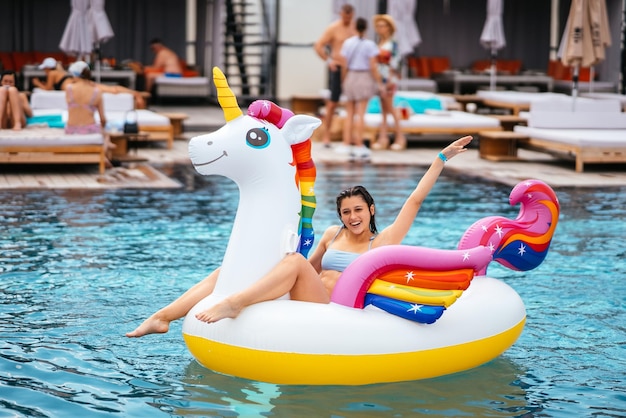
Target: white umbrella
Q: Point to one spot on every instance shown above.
(99, 21)
(585, 38)
(102, 30)
(407, 34)
(492, 36)
(77, 37)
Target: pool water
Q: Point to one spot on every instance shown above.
(78, 269)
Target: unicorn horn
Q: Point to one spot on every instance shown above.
(225, 96)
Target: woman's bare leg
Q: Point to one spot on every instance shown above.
(293, 274)
(16, 108)
(399, 140)
(383, 135)
(359, 125)
(328, 121)
(4, 99)
(159, 322)
(348, 136)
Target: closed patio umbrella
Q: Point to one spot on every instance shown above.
(102, 30)
(585, 38)
(492, 36)
(77, 39)
(407, 34)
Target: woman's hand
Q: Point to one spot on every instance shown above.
(457, 147)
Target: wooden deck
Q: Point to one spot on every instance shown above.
(30, 177)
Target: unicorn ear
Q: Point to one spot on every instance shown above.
(299, 128)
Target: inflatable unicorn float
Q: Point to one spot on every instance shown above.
(397, 313)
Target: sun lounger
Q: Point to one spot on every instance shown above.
(594, 132)
(565, 86)
(607, 96)
(51, 145)
(517, 101)
(182, 87)
(449, 122)
(116, 107)
(429, 114)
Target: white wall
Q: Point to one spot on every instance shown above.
(300, 71)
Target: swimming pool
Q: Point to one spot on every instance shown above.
(78, 269)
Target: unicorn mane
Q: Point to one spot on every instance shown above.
(519, 244)
(305, 169)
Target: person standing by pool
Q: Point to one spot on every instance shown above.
(388, 63)
(328, 47)
(361, 82)
(14, 107)
(312, 280)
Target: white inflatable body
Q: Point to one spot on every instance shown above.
(291, 342)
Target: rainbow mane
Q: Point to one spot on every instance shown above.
(305, 169)
(519, 244)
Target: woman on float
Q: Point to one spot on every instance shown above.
(312, 280)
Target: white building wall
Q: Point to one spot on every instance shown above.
(300, 71)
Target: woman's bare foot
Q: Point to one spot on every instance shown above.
(17, 127)
(219, 311)
(152, 325)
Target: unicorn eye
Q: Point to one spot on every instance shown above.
(258, 138)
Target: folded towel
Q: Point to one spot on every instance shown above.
(416, 105)
(52, 121)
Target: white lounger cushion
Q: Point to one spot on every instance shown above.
(182, 86)
(144, 118)
(37, 136)
(442, 119)
(116, 106)
(183, 81)
(42, 99)
(580, 137)
(520, 97)
(579, 114)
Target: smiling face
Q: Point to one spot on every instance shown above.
(355, 214)
(355, 207)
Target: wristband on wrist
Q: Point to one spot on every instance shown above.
(442, 157)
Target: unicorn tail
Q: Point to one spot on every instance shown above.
(520, 244)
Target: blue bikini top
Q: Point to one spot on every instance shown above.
(338, 260)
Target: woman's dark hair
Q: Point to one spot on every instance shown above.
(8, 72)
(361, 25)
(367, 197)
(86, 74)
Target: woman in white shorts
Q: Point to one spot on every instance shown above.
(361, 82)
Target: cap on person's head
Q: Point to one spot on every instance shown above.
(387, 19)
(77, 68)
(48, 63)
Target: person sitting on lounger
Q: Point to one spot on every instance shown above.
(84, 98)
(166, 63)
(14, 107)
(58, 79)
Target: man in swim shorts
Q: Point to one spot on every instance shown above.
(166, 63)
(328, 47)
